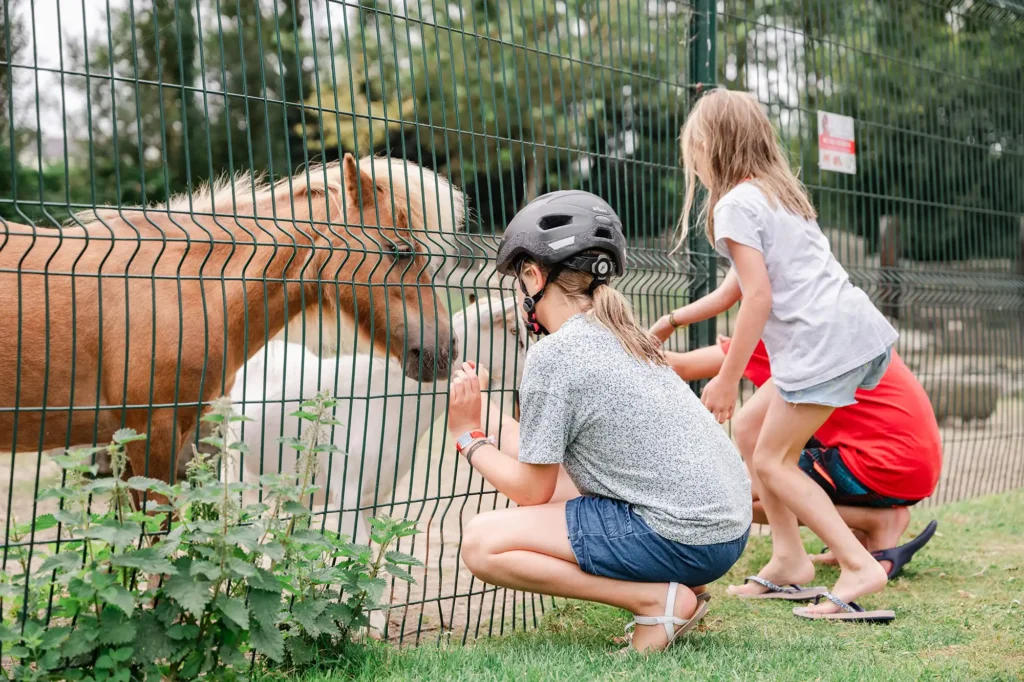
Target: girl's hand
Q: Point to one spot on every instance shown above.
(663, 328)
(719, 396)
(464, 401)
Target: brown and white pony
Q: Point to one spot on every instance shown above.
(139, 316)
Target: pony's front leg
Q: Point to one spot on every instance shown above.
(161, 431)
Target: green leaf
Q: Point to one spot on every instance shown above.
(119, 597)
(155, 485)
(212, 418)
(402, 558)
(373, 587)
(151, 640)
(241, 567)
(401, 573)
(207, 569)
(66, 562)
(265, 581)
(274, 550)
(246, 537)
(214, 441)
(292, 507)
(45, 522)
(306, 614)
(54, 637)
(116, 632)
(146, 559)
(192, 593)
(293, 443)
(233, 609)
(114, 533)
(81, 641)
(267, 641)
(301, 651)
(307, 416)
(122, 436)
(121, 655)
(264, 607)
(7, 635)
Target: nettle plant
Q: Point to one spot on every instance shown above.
(121, 598)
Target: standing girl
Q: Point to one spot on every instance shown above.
(824, 337)
(665, 505)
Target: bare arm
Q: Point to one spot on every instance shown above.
(508, 445)
(754, 311)
(715, 303)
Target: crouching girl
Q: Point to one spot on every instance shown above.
(665, 505)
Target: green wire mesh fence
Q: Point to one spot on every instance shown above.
(382, 269)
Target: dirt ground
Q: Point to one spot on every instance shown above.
(443, 494)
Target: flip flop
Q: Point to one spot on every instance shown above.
(851, 613)
(793, 592)
(901, 556)
(674, 627)
(704, 596)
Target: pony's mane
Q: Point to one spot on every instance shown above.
(433, 202)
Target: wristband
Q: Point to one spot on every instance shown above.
(672, 321)
(466, 439)
(474, 447)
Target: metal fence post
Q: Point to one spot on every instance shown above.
(702, 255)
(889, 232)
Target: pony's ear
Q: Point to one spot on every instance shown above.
(358, 185)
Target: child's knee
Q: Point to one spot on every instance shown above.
(767, 469)
(745, 430)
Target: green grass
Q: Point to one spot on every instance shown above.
(958, 606)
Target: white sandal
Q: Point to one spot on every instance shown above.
(674, 627)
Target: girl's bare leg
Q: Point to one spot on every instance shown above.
(788, 493)
(787, 565)
(527, 548)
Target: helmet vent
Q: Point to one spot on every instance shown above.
(603, 233)
(550, 222)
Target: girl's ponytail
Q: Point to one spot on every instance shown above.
(613, 311)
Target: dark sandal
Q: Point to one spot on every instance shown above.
(901, 556)
(851, 613)
(792, 592)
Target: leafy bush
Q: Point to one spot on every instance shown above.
(121, 598)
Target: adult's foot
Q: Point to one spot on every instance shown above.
(853, 584)
(887, 527)
(654, 637)
(780, 571)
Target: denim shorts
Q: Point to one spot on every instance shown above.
(609, 539)
(840, 391)
(827, 468)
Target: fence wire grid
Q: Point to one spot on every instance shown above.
(371, 275)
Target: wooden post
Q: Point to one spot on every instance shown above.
(889, 237)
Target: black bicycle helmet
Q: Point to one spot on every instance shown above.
(556, 228)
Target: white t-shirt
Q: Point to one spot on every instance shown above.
(821, 325)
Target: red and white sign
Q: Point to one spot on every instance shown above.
(837, 150)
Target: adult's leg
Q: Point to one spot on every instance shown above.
(527, 548)
(788, 493)
(876, 529)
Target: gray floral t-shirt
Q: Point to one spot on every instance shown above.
(631, 431)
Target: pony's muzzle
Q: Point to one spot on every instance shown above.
(430, 362)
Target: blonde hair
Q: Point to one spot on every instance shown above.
(738, 143)
(611, 309)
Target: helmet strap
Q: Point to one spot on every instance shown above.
(530, 301)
